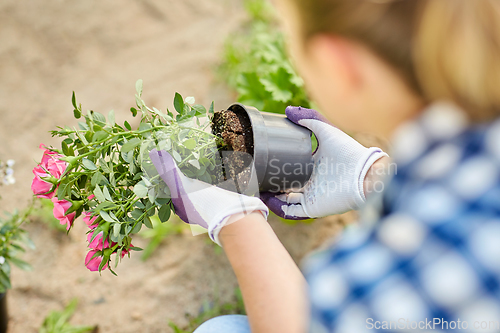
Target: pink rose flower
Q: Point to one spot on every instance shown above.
(40, 187)
(93, 263)
(89, 221)
(97, 243)
(60, 209)
(50, 166)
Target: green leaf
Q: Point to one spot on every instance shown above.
(100, 135)
(137, 228)
(194, 163)
(105, 204)
(140, 190)
(189, 100)
(147, 222)
(278, 84)
(152, 195)
(83, 126)
(137, 213)
(65, 148)
(88, 164)
(5, 280)
(111, 118)
(98, 194)
(138, 87)
(112, 179)
(189, 144)
(139, 102)
(82, 137)
(64, 189)
(116, 229)
(73, 101)
(128, 146)
(134, 113)
(144, 127)
(162, 201)
(183, 134)
(104, 165)
(21, 264)
(96, 178)
(106, 194)
(128, 157)
(200, 110)
(106, 216)
(99, 118)
(179, 103)
(211, 109)
(176, 156)
(127, 125)
(188, 111)
(164, 213)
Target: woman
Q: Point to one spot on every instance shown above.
(424, 74)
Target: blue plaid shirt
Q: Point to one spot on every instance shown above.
(426, 253)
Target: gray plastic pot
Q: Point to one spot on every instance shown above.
(282, 150)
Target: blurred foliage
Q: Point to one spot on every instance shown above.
(256, 65)
(13, 241)
(209, 311)
(58, 321)
(159, 232)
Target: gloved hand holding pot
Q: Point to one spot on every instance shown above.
(270, 156)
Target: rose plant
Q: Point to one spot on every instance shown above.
(102, 171)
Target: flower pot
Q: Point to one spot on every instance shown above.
(282, 150)
(4, 316)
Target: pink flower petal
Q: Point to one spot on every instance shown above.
(60, 209)
(89, 221)
(93, 263)
(97, 243)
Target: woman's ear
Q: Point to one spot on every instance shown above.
(336, 60)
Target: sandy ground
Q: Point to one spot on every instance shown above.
(48, 48)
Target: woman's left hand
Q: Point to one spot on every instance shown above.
(200, 203)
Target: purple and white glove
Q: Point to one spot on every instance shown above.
(336, 183)
(200, 203)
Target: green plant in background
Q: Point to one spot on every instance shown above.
(256, 64)
(13, 241)
(58, 321)
(208, 311)
(159, 232)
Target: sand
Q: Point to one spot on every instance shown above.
(49, 48)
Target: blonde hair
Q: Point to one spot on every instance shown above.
(444, 49)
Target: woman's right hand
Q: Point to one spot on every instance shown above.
(337, 181)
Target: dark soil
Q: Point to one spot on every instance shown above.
(235, 147)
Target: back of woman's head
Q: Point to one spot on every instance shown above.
(444, 49)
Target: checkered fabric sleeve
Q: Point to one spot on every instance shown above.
(426, 254)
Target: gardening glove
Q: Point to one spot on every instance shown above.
(336, 183)
(200, 203)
